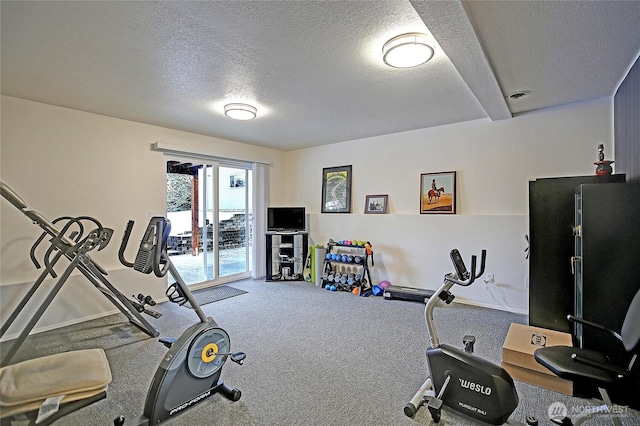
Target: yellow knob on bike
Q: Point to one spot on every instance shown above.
(209, 352)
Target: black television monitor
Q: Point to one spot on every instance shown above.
(286, 219)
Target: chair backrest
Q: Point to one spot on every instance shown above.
(630, 332)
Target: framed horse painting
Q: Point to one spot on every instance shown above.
(438, 193)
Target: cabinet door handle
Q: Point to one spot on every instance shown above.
(577, 231)
(574, 260)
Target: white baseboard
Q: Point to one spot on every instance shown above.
(490, 306)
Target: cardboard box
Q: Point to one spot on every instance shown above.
(517, 356)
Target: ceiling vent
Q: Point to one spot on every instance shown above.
(516, 96)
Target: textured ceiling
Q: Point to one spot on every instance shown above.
(312, 68)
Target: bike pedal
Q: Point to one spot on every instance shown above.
(167, 341)
(565, 421)
(238, 357)
(435, 409)
(434, 403)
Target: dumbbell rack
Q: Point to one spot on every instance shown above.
(345, 272)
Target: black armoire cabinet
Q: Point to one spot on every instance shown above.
(551, 222)
(607, 251)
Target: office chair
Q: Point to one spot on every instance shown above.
(594, 368)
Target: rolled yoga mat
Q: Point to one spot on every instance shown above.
(319, 254)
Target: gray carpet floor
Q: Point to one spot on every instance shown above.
(313, 358)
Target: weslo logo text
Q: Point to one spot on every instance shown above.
(485, 390)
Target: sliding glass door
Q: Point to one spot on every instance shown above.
(209, 205)
(234, 220)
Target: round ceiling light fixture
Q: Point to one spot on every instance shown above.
(240, 111)
(407, 50)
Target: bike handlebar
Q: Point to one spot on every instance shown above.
(472, 275)
(152, 255)
(161, 263)
(123, 245)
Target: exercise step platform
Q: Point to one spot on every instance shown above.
(407, 293)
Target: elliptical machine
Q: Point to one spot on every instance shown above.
(190, 371)
(460, 379)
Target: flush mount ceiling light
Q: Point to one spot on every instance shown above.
(240, 111)
(407, 50)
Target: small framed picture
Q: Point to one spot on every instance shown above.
(438, 193)
(376, 204)
(336, 189)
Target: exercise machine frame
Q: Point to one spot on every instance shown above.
(68, 241)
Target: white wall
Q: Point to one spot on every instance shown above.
(67, 162)
(494, 162)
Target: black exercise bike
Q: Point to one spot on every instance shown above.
(459, 379)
